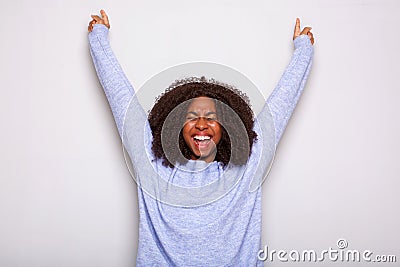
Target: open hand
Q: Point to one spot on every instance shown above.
(99, 20)
(306, 31)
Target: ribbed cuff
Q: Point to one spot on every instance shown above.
(302, 40)
(99, 29)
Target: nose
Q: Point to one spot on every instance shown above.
(201, 123)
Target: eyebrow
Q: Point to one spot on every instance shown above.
(195, 113)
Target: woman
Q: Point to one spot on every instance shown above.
(195, 213)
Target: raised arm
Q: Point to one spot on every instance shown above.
(116, 86)
(286, 94)
(128, 113)
(280, 105)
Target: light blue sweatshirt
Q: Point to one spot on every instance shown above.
(225, 231)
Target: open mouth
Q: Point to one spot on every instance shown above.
(202, 141)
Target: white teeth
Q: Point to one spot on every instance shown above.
(202, 137)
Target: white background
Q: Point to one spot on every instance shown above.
(66, 196)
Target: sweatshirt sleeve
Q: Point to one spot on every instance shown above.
(118, 90)
(286, 94)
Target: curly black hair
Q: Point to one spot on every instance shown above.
(173, 104)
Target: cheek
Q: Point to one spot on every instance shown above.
(217, 132)
(186, 131)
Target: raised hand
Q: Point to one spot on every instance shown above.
(99, 20)
(306, 31)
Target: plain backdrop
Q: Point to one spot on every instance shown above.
(66, 196)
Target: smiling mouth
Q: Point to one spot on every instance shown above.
(201, 141)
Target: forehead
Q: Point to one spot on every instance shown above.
(202, 103)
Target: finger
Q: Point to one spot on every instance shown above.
(96, 18)
(91, 24)
(306, 30)
(103, 14)
(296, 28)
(105, 18)
(310, 34)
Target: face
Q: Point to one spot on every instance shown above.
(202, 131)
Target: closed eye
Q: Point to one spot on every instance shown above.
(191, 118)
